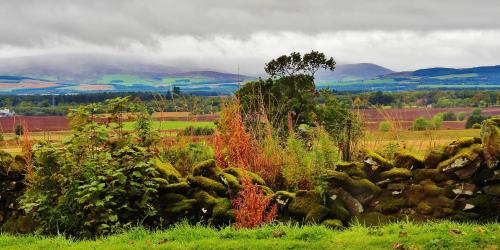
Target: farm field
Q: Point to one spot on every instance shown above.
(432, 235)
(419, 142)
(172, 125)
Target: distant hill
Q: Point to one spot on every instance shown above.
(477, 78)
(351, 72)
(69, 74)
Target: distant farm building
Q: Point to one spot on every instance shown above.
(6, 113)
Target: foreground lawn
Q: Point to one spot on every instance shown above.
(432, 235)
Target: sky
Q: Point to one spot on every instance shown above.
(227, 34)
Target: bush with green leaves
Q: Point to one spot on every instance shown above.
(449, 116)
(306, 159)
(185, 156)
(196, 131)
(421, 124)
(475, 117)
(101, 179)
(461, 116)
(384, 126)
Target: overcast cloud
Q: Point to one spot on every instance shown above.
(220, 34)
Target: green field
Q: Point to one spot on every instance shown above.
(445, 77)
(172, 125)
(431, 235)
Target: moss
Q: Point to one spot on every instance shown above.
(396, 173)
(391, 205)
(424, 208)
(430, 188)
(181, 208)
(204, 198)
(172, 198)
(435, 157)
(351, 168)
(317, 214)
(429, 173)
(338, 209)
(464, 142)
(406, 159)
(207, 184)
(490, 135)
(19, 224)
(353, 186)
(167, 171)
(230, 181)
(333, 224)
(161, 181)
(376, 161)
(493, 189)
(221, 208)
(266, 190)
(308, 205)
(373, 219)
(464, 157)
(395, 186)
(181, 187)
(241, 173)
(207, 169)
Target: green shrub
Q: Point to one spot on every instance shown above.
(184, 157)
(461, 116)
(476, 117)
(421, 124)
(437, 121)
(196, 131)
(449, 116)
(19, 130)
(384, 126)
(98, 181)
(476, 126)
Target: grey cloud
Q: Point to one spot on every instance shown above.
(115, 21)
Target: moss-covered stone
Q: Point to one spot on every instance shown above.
(181, 187)
(333, 224)
(435, 157)
(396, 174)
(353, 186)
(424, 208)
(167, 171)
(373, 219)
(376, 162)
(463, 158)
(19, 224)
(170, 198)
(391, 205)
(429, 173)
(493, 189)
(207, 184)
(406, 159)
(180, 209)
(338, 208)
(308, 205)
(230, 181)
(241, 173)
(464, 142)
(490, 135)
(207, 169)
(352, 168)
(221, 209)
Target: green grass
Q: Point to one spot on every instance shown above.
(171, 125)
(431, 235)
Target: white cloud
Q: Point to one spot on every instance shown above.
(398, 50)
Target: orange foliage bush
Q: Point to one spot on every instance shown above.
(252, 207)
(235, 146)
